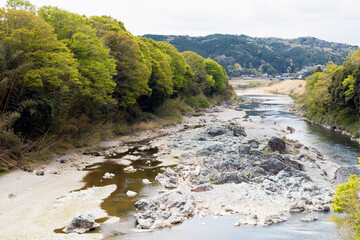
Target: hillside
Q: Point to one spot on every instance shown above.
(241, 54)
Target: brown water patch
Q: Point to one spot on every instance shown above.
(101, 220)
(59, 230)
(118, 203)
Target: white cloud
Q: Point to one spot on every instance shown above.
(331, 20)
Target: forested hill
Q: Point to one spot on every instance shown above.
(241, 54)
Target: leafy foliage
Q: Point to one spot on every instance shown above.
(132, 68)
(217, 72)
(347, 205)
(96, 68)
(332, 96)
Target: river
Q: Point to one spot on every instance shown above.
(267, 108)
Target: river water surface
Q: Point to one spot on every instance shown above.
(337, 147)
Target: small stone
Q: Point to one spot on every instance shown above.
(296, 209)
(108, 175)
(202, 224)
(40, 173)
(131, 193)
(28, 168)
(146, 181)
(129, 169)
(11, 195)
(309, 218)
(272, 219)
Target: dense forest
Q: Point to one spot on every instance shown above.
(333, 95)
(62, 75)
(240, 54)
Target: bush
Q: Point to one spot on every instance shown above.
(347, 205)
(199, 101)
(173, 108)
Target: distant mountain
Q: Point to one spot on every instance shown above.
(241, 54)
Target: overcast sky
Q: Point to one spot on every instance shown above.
(331, 20)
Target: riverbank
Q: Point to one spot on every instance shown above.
(189, 146)
(331, 127)
(295, 88)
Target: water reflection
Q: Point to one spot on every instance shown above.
(269, 109)
(222, 229)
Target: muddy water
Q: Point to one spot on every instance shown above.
(118, 203)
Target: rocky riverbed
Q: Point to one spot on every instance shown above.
(217, 162)
(224, 171)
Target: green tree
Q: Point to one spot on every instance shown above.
(96, 67)
(202, 81)
(21, 5)
(132, 69)
(217, 72)
(182, 75)
(160, 80)
(347, 205)
(33, 56)
(33, 60)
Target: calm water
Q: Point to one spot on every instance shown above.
(338, 147)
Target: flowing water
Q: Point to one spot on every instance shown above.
(337, 147)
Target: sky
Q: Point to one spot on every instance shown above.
(330, 20)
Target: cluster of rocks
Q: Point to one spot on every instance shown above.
(164, 210)
(263, 168)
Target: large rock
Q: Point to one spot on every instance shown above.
(277, 144)
(216, 131)
(343, 173)
(168, 179)
(165, 210)
(147, 204)
(309, 218)
(237, 130)
(82, 224)
(244, 148)
(273, 166)
(272, 219)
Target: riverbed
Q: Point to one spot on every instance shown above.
(262, 115)
(269, 109)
